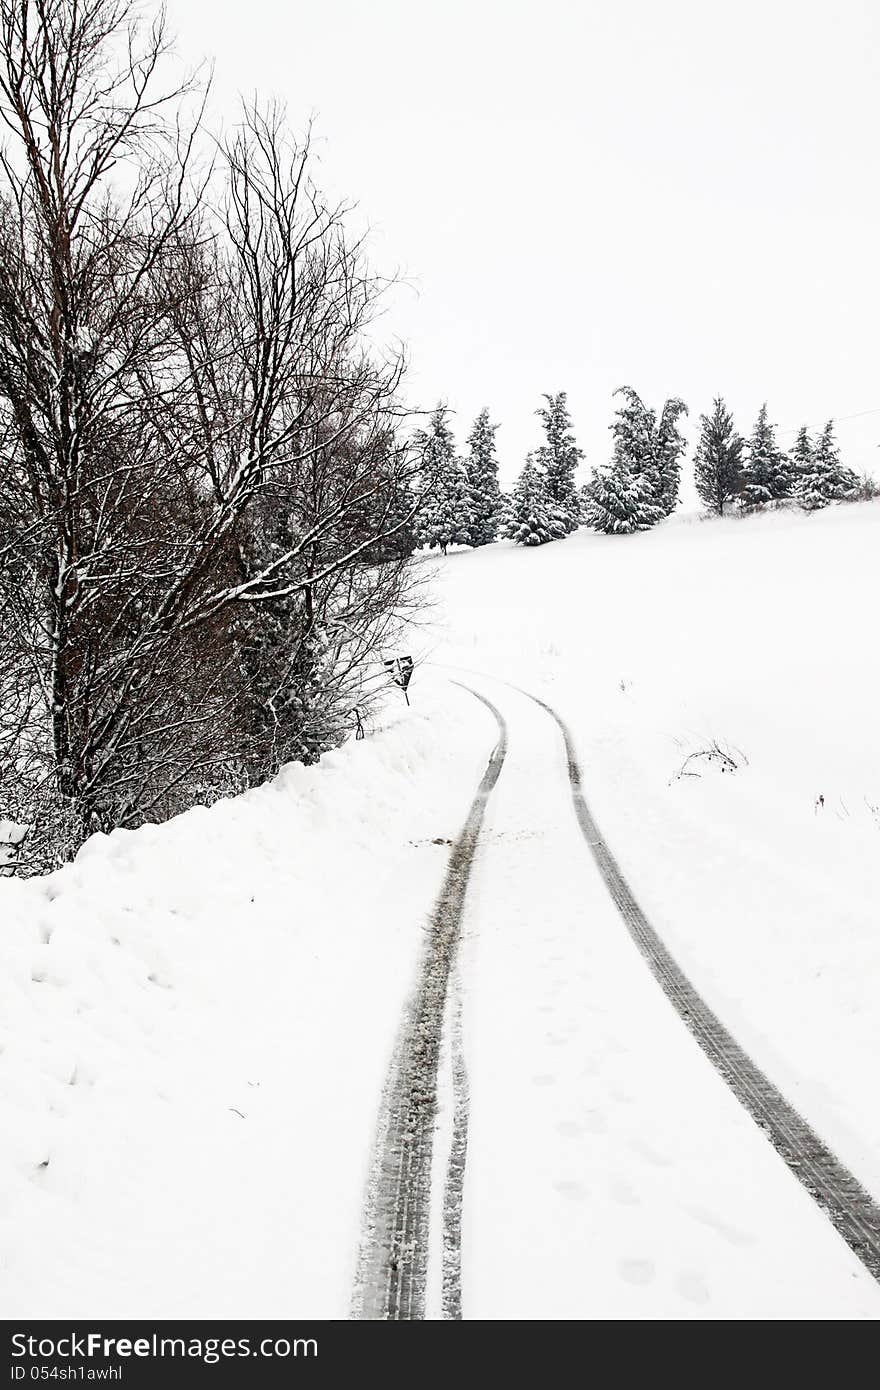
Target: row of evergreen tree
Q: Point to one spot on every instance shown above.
(636, 489)
(755, 472)
(464, 504)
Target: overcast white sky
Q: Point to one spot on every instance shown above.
(680, 195)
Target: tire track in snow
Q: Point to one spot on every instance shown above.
(392, 1267)
(453, 1192)
(849, 1207)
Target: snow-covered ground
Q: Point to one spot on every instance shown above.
(759, 633)
(195, 1024)
(610, 1172)
(196, 1019)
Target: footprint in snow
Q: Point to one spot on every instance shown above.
(650, 1155)
(692, 1286)
(719, 1226)
(570, 1188)
(623, 1097)
(569, 1128)
(624, 1193)
(636, 1271)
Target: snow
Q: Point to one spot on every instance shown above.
(756, 632)
(12, 836)
(610, 1173)
(196, 1020)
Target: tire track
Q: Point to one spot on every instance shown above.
(393, 1263)
(453, 1192)
(847, 1204)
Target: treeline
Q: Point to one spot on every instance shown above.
(638, 487)
(463, 503)
(206, 500)
(755, 472)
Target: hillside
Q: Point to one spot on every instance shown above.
(758, 634)
(198, 1018)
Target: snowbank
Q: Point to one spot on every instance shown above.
(195, 1022)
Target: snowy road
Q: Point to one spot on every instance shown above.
(610, 1171)
(198, 1017)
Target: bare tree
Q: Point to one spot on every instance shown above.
(192, 433)
(292, 424)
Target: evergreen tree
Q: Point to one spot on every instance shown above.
(640, 485)
(481, 469)
(585, 497)
(767, 473)
(670, 446)
(634, 430)
(388, 502)
(718, 461)
(444, 516)
(531, 517)
(825, 479)
(558, 459)
(650, 451)
(619, 501)
(800, 458)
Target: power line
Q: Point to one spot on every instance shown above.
(835, 419)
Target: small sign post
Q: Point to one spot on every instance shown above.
(400, 669)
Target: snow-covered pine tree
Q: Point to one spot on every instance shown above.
(558, 459)
(481, 469)
(444, 517)
(767, 473)
(718, 459)
(651, 450)
(800, 458)
(619, 500)
(640, 485)
(670, 445)
(633, 429)
(585, 497)
(532, 519)
(825, 479)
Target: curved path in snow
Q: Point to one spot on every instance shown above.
(849, 1207)
(392, 1274)
(608, 1174)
